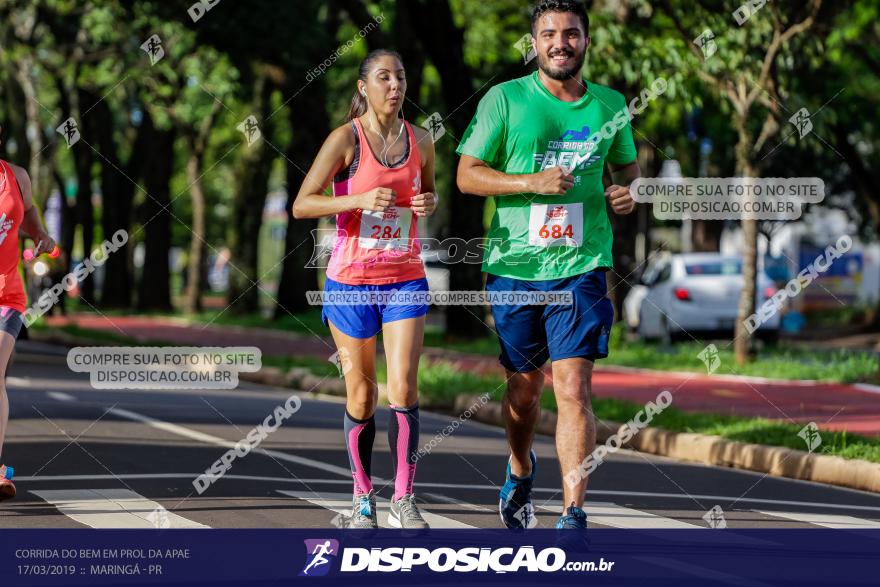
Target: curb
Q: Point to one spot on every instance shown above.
(722, 377)
(714, 450)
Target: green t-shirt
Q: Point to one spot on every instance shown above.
(520, 127)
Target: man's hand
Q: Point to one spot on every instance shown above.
(424, 204)
(552, 181)
(620, 199)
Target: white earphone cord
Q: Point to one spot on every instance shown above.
(385, 145)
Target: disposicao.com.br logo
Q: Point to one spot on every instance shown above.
(442, 559)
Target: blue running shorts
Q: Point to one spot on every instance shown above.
(530, 334)
(10, 321)
(366, 320)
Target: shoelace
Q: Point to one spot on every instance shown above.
(364, 504)
(574, 516)
(407, 507)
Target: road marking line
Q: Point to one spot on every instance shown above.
(341, 504)
(452, 501)
(826, 520)
(66, 478)
(618, 516)
(61, 396)
(720, 377)
(217, 441)
(867, 387)
(113, 508)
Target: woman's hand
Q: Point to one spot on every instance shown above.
(424, 204)
(377, 199)
(45, 243)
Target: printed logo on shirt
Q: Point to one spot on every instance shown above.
(572, 150)
(576, 135)
(5, 226)
(417, 183)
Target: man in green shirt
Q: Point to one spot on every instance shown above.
(538, 145)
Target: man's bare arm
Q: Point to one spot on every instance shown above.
(477, 178)
(618, 193)
(625, 174)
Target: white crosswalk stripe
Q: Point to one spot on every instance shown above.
(617, 516)
(222, 442)
(113, 508)
(826, 520)
(341, 504)
(60, 396)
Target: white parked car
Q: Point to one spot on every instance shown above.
(696, 294)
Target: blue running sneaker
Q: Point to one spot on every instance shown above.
(7, 487)
(571, 529)
(515, 504)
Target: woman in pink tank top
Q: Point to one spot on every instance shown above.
(17, 211)
(382, 172)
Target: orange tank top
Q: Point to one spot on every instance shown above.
(11, 215)
(378, 248)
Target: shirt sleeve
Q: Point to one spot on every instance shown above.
(484, 137)
(623, 148)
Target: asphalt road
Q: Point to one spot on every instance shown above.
(127, 459)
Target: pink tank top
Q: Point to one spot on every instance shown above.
(11, 215)
(378, 248)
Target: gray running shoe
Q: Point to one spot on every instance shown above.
(363, 512)
(405, 514)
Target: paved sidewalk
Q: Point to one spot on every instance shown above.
(832, 406)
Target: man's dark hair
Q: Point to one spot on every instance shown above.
(573, 6)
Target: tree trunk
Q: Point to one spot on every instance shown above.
(197, 141)
(83, 214)
(15, 128)
(117, 193)
(154, 292)
(85, 210)
(444, 43)
(311, 125)
(251, 185)
(195, 269)
(410, 48)
(745, 168)
(24, 73)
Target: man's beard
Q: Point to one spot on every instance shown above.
(545, 64)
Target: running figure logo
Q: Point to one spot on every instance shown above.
(153, 48)
(715, 518)
(801, 121)
(69, 131)
(434, 125)
(706, 43)
(576, 135)
(317, 553)
(810, 434)
(710, 358)
(250, 129)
